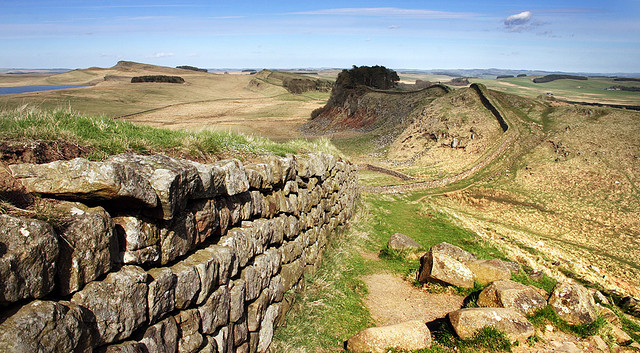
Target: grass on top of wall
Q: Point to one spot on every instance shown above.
(106, 136)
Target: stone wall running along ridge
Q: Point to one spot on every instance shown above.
(156, 254)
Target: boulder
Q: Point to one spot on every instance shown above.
(28, 258)
(45, 326)
(89, 247)
(174, 181)
(466, 322)
(399, 241)
(514, 295)
(437, 266)
(406, 336)
(453, 251)
(118, 303)
(573, 303)
(80, 179)
(488, 271)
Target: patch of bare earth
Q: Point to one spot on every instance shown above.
(391, 300)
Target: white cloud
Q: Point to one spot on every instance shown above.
(394, 27)
(521, 22)
(161, 55)
(389, 12)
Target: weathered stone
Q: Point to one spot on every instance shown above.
(406, 336)
(266, 328)
(256, 310)
(162, 337)
(215, 311)
(573, 303)
(89, 247)
(178, 239)
(600, 298)
(488, 271)
(187, 284)
(240, 332)
(173, 180)
(514, 267)
(399, 241)
(439, 267)
(161, 295)
(225, 258)
(237, 299)
(80, 179)
(514, 295)
(608, 315)
(212, 180)
(207, 268)
(206, 219)
(467, 321)
(454, 252)
(291, 273)
(622, 338)
(190, 338)
(125, 347)
(243, 246)
(28, 255)
(118, 303)
(597, 344)
(222, 340)
(291, 251)
(257, 276)
(141, 240)
(44, 326)
(235, 178)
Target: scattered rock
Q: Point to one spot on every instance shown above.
(411, 335)
(597, 344)
(622, 338)
(514, 295)
(436, 266)
(28, 254)
(488, 271)
(608, 315)
(514, 267)
(573, 303)
(453, 251)
(467, 321)
(600, 298)
(399, 241)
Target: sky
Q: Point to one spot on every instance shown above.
(560, 35)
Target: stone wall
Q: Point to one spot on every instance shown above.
(151, 253)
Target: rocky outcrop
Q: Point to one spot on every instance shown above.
(573, 303)
(488, 271)
(406, 336)
(179, 256)
(513, 295)
(467, 321)
(399, 241)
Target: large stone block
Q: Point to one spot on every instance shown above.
(118, 303)
(514, 295)
(573, 303)
(488, 271)
(28, 254)
(237, 297)
(45, 326)
(399, 241)
(187, 284)
(178, 238)
(190, 338)
(207, 223)
(80, 179)
(235, 177)
(89, 247)
(406, 336)
(162, 293)
(439, 267)
(215, 311)
(466, 322)
(267, 327)
(174, 181)
(206, 266)
(244, 247)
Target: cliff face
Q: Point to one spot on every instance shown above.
(160, 254)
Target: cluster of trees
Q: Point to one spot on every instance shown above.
(549, 78)
(192, 68)
(301, 85)
(371, 76)
(627, 79)
(157, 78)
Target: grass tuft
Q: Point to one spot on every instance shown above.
(548, 314)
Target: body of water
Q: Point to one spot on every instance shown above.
(26, 89)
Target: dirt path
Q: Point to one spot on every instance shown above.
(392, 300)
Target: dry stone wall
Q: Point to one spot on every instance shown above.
(165, 255)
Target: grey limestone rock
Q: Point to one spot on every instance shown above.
(235, 177)
(141, 240)
(488, 271)
(118, 304)
(514, 295)
(81, 179)
(161, 295)
(438, 266)
(215, 311)
(573, 303)
(28, 258)
(406, 336)
(399, 241)
(467, 321)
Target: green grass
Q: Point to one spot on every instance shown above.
(547, 283)
(548, 314)
(106, 136)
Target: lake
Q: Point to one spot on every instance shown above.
(26, 89)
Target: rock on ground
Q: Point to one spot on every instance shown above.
(573, 303)
(488, 271)
(514, 295)
(467, 321)
(411, 335)
(399, 241)
(436, 266)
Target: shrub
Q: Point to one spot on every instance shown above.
(157, 78)
(192, 68)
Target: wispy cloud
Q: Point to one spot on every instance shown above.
(389, 12)
(161, 55)
(394, 27)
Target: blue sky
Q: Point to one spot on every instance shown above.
(577, 36)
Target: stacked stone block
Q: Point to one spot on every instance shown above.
(162, 254)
